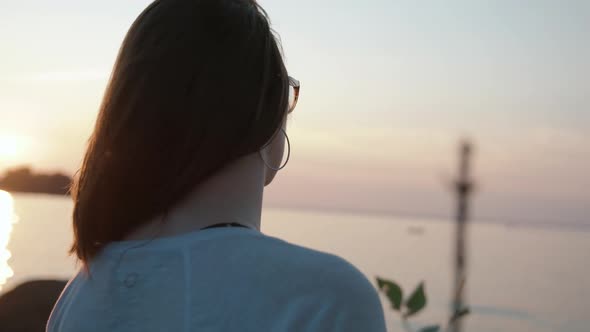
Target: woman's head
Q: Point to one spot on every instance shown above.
(197, 85)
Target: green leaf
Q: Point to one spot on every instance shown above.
(433, 328)
(416, 302)
(392, 291)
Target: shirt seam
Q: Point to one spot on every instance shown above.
(73, 291)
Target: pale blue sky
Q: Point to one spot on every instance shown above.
(387, 89)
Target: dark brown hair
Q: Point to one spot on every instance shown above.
(197, 84)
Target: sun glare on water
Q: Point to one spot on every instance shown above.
(7, 218)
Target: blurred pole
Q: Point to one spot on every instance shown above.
(463, 188)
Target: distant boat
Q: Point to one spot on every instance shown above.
(416, 230)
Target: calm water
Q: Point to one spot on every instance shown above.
(521, 279)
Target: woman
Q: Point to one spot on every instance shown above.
(168, 199)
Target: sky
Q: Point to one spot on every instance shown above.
(388, 90)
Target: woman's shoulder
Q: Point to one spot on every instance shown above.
(334, 286)
(296, 287)
(333, 273)
(255, 253)
(319, 261)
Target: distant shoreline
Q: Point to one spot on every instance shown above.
(32, 192)
(24, 180)
(509, 224)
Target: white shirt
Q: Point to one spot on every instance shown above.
(218, 279)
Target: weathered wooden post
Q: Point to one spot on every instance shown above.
(463, 189)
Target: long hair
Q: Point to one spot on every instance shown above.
(196, 85)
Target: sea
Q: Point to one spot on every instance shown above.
(520, 278)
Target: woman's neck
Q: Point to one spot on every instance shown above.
(234, 194)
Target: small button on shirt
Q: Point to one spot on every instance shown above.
(130, 280)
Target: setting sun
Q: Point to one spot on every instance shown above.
(11, 147)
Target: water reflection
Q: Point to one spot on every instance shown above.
(7, 218)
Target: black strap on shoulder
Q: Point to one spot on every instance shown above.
(226, 224)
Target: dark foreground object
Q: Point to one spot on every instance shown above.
(26, 308)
